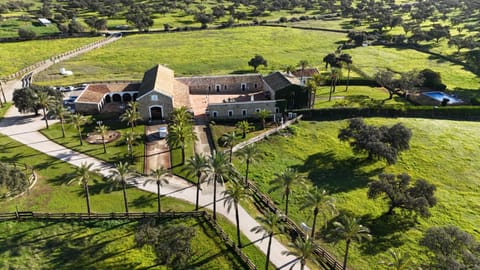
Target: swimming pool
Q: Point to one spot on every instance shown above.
(439, 96)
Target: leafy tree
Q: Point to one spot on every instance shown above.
(262, 115)
(75, 27)
(401, 194)
(103, 131)
(451, 248)
(462, 43)
(350, 229)
(379, 142)
(284, 181)
(179, 135)
(61, 112)
(25, 101)
(171, 242)
(321, 202)
(44, 102)
(438, 31)
(302, 249)
(330, 60)
(272, 222)
(347, 59)
(26, 34)
(96, 23)
(83, 175)
(78, 120)
(228, 140)
(397, 260)
(197, 165)
(432, 79)
(409, 80)
(249, 154)
(233, 196)
(160, 177)
(244, 127)
(120, 175)
(140, 17)
(256, 61)
(218, 171)
(204, 19)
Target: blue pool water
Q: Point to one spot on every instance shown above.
(439, 96)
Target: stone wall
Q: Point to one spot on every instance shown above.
(240, 110)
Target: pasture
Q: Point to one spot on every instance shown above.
(441, 152)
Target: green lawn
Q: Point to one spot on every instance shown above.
(442, 152)
(197, 53)
(9, 28)
(17, 55)
(100, 245)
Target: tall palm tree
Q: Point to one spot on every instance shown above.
(133, 105)
(350, 229)
(284, 181)
(103, 131)
(78, 120)
(218, 171)
(289, 69)
(302, 249)
(182, 116)
(197, 165)
(120, 175)
(262, 115)
(131, 117)
(244, 127)
(347, 59)
(130, 139)
(178, 136)
(83, 175)
(303, 64)
(330, 60)
(160, 175)
(45, 102)
(272, 222)
(319, 201)
(249, 154)
(398, 260)
(233, 196)
(228, 140)
(334, 74)
(61, 112)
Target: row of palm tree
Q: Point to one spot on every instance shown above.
(180, 131)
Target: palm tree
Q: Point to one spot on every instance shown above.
(61, 112)
(218, 170)
(133, 105)
(289, 69)
(334, 74)
(160, 175)
(347, 59)
(45, 101)
(303, 64)
(103, 131)
(228, 140)
(271, 222)
(233, 196)
(182, 116)
(330, 59)
(178, 136)
(350, 229)
(83, 175)
(130, 116)
(244, 127)
(285, 181)
(130, 139)
(398, 260)
(78, 120)
(319, 201)
(302, 249)
(120, 175)
(249, 154)
(263, 114)
(197, 165)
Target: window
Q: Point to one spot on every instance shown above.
(217, 87)
(244, 112)
(225, 87)
(244, 87)
(277, 110)
(257, 110)
(209, 88)
(230, 113)
(154, 98)
(215, 113)
(255, 85)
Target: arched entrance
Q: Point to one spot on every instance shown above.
(156, 113)
(117, 98)
(135, 97)
(127, 97)
(108, 99)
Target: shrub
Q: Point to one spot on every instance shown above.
(26, 34)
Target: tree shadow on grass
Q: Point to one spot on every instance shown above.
(338, 175)
(143, 201)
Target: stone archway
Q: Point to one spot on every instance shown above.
(135, 97)
(116, 98)
(156, 113)
(108, 99)
(127, 97)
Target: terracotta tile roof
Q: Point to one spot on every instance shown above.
(158, 78)
(307, 72)
(181, 95)
(94, 93)
(223, 80)
(279, 81)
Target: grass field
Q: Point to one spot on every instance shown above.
(17, 55)
(197, 53)
(101, 245)
(9, 28)
(444, 153)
